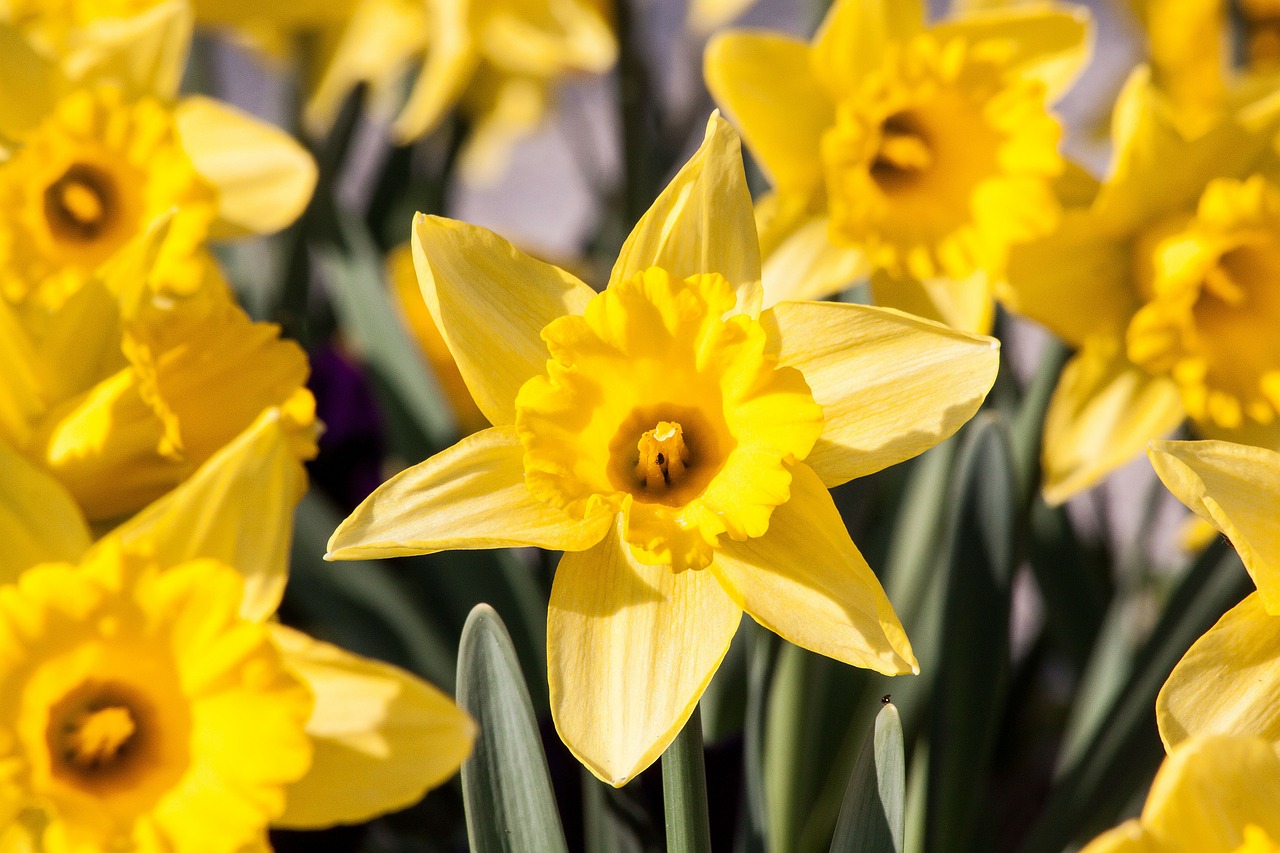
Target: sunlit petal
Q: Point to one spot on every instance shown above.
(39, 521)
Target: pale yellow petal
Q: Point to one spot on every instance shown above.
(890, 385)
(763, 82)
(630, 648)
(1077, 281)
(1187, 42)
(1128, 837)
(1101, 415)
(39, 521)
(853, 37)
(546, 38)
(806, 581)
(703, 221)
(1236, 488)
(490, 302)
(1049, 42)
(381, 736)
(706, 15)
(264, 178)
(1228, 680)
(472, 495)
(145, 54)
(1209, 789)
(450, 61)
(803, 263)
(22, 395)
(35, 76)
(966, 304)
(237, 508)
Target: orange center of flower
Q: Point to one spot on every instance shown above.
(904, 154)
(100, 736)
(79, 205)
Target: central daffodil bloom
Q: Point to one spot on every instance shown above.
(918, 156)
(677, 443)
(1163, 277)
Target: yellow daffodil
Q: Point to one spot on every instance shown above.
(90, 161)
(918, 155)
(1211, 795)
(1227, 681)
(678, 443)
(146, 702)
(1163, 279)
(707, 15)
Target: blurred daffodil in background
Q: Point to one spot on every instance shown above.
(916, 155)
(1212, 795)
(678, 443)
(1162, 278)
(149, 702)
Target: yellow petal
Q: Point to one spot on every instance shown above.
(1101, 415)
(1236, 488)
(144, 54)
(1209, 790)
(965, 304)
(382, 737)
(764, 84)
(79, 345)
(890, 385)
(237, 508)
(293, 16)
(853, 36)
(22, 395)
(264, 178)
(1128, 837)
(39, 521)
(450, 62)
(36, 77)
(1227, 682)
(1186, 41)
(706, 15)
(491, 302)
(546, 39)
(702, 222)
(800, 261)
(630, 648)
(806, 581)
(472, 495)
(1049, 42)
(1077, 281)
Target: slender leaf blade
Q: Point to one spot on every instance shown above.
(873, 816)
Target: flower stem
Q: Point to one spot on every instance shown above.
(684, 791)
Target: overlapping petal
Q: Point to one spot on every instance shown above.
(964, 304)
(1101, 415)
(1236, 488)
(805, 264)
(806, 581)
(702, 222)
(905, 385)
(381, 737)
(482, 290)
(1227, 681)
(472, 495)
(853, 36)
(450, 62)
(630, 649)
(39, 520)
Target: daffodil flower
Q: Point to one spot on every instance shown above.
(1226, 683)
(1163, 278)
(94, 153)
(678, 443)
(146, 697)
(918, 155)
(1211, 795)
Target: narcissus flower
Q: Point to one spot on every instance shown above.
(916, 154)
(148, 702)
(678, 443)
(90, 161)
(1212, 795)
(1163, 278)
(1226, 683)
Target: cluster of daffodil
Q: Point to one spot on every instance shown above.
(675, 426)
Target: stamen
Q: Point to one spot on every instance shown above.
(903, 153)
(96, 737)
(1221, 284)
(78, 206)
(663, 456)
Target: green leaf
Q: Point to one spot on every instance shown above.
(872, 819)
(506, 788)
(684, 790)
(973, 670)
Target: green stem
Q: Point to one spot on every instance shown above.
(684, 791)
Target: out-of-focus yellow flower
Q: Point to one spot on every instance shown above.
(678, 443)
(707, 15)
(1211, 795)
(1163, 278)
(1187, 49)
(404, 287)
(1226, 683)
(146, 699)
(91, 160)
(918, 155)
